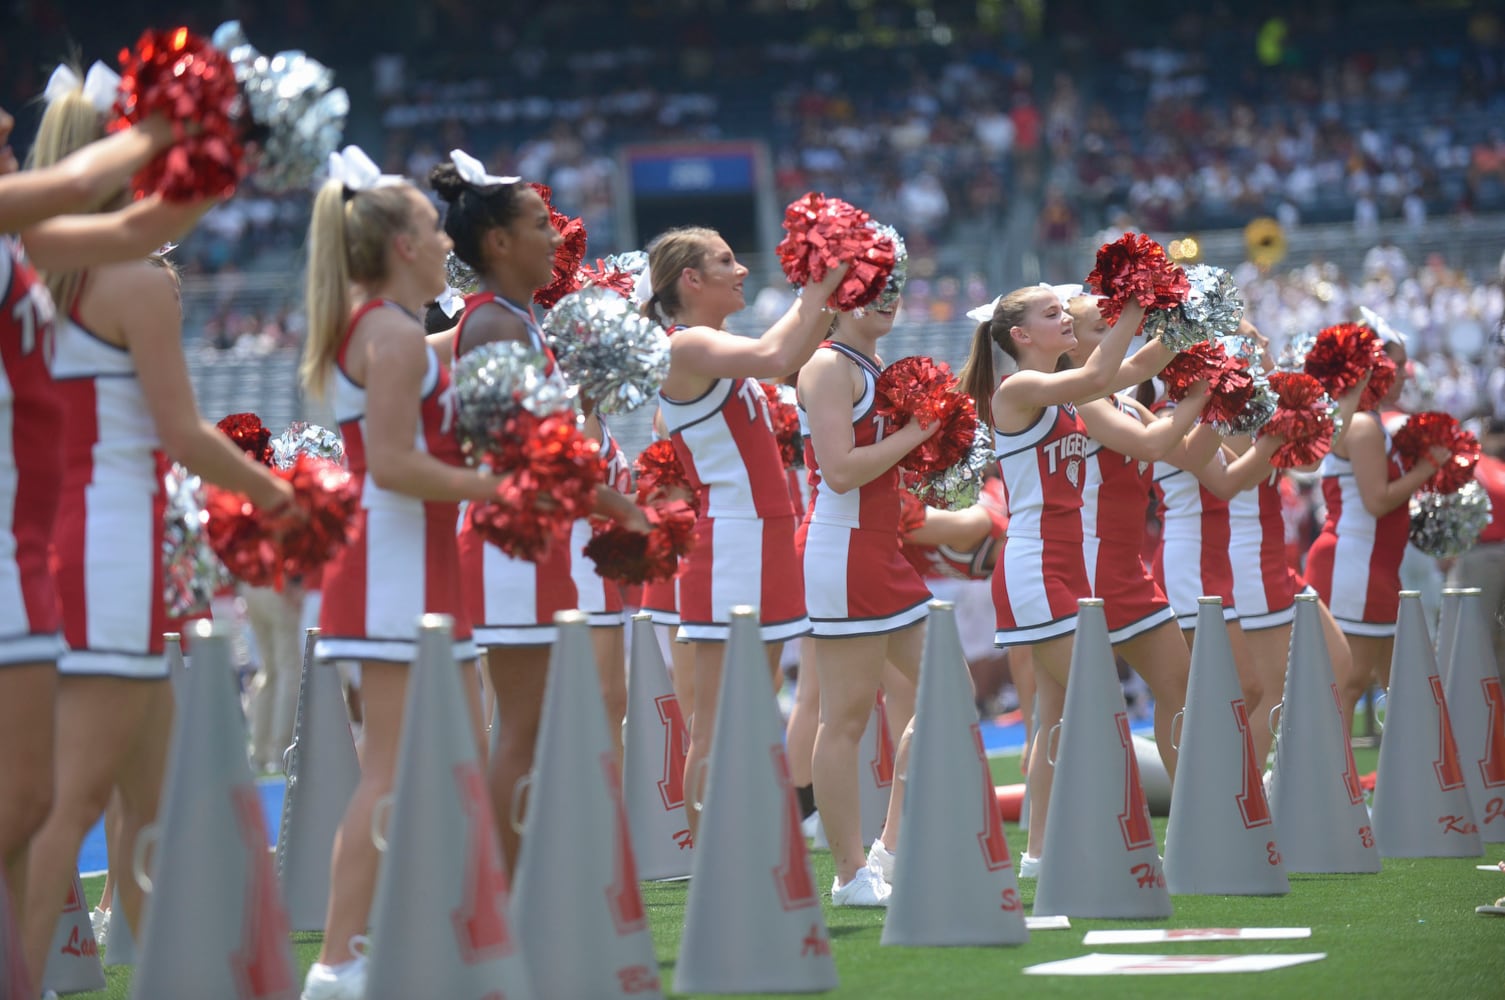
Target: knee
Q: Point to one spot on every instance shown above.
(27, 806)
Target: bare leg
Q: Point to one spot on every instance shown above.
(1268, 651)
(1162, 658)
(140, 791)
(682, 662)
(900, 677)
(804, 717)
(519, 674)
(1370, 662)
(707, 689)
(28, 693)
(1022, 669)
(106, 715)
(1053, 664)
(611, 666)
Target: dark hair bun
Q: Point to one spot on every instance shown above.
(445, 179)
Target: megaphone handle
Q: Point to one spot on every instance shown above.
(697, 794)
(1176, 721)
(379, 821)
(517, 816)
(1273, 709)
(146, 839)
(287, 758)
(1050, 743)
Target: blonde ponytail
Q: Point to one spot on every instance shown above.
(348, 237)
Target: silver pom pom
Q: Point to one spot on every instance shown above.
(1255, 414)
(191, 572)
(961, 485)
(616, 355)
(1213, 309)
(1292, 357)
(889, 297)
(306, 439)
(291, 98)
(492, 382)
(1444, 525)
(459, 276)
(631, 264)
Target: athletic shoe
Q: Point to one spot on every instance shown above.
(100, 921)
(881, 858)
(1029, 867)
(867, 888)
(809, 825)
(346, 981)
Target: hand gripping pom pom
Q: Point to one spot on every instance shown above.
(1303, 417)
(959, 485)
(185, 79)
(297, 114)
(1342, 355)
(826, 233)
(634, 557)
(553, 470)
(569, 256)
(1424, 431)
(493, 382)
(263, 548)
(1230, 384)
(1213, 309)
(661, 474)
(615, 355)
(918, 388)
(1135, 267)
(911, 513)
(1446, 525)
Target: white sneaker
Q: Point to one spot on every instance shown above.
(809, 825)
(346, 981)
(881, 858)
(867, 888)
(99, 920)
(1029, 867)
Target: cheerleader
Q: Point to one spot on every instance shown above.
(1115, 497)
(1354, 565)
(119, 374)
(717, 416)
(376, 255)
(32, 457)
(866, 603)
(501, 229)
(1041, 446)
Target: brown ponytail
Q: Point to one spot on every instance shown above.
(977, 377)
(669, 254)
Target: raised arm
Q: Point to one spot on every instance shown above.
(962, 530)
(82, 180)
(782, 349)
(1026, 391)
(1226, 480)
(1371, 467)
(1128, 435)
(71, 242)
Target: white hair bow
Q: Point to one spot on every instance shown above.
(473, 171)
(642, 288)
(101, 85)
(1065, 292)
(451, 301)
(984, 313)
(356, 171)
(1387, 333)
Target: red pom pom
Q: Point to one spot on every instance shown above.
(554, 470)
(921, 389)
(658, 468)
(824, 233)
(1230, 384)
(569, 256)
(263, 548)
(619, 281)
(1135, 267)
(1424, 431)
(786, 427)
(184, 78)
(911, 511)
(249, 434)
(1303, 416)
(633, 557)
(1342, 355)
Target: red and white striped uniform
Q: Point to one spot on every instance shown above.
(108, 539)
(403, 561)
(1115, 498)
(1354, 565)
(513, 601)
(857, 581)
(941, 562)
(1041, 574)
(31, 464)
(598, 598)
(1193, 558)
(744, 540)
(1264, 587)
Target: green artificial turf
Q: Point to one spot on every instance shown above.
(1409, 931)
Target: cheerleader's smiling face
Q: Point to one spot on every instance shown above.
(717, 282)
(529, 239)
